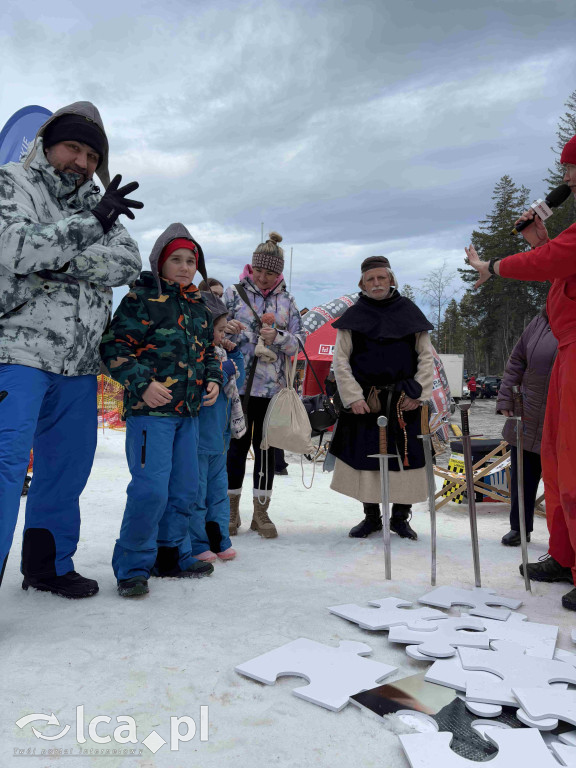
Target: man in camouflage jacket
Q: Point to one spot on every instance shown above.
(62, 250)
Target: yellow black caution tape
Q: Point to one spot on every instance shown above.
(456, 465)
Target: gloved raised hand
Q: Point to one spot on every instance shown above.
(114, 202)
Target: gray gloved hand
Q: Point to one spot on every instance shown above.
(114, 202)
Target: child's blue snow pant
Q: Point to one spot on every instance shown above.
(162, 453)
(210, 519)
(57, 416)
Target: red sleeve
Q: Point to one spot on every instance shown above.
(554, 260)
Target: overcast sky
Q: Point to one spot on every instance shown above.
(352, 128)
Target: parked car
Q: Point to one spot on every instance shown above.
(465, 391)
(490, 386)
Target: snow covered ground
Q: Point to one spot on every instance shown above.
(174, 651)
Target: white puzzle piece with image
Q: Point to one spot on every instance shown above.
(481, 601)
(517, 748)
(387, 612)
(334, 674)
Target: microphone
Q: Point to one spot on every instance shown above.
(543, 207)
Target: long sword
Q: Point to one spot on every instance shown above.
(518, 416)
(383, 457)
(426, 438)
(467, 447)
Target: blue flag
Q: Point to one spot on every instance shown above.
(20, 131)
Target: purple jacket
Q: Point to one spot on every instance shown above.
(529, 365)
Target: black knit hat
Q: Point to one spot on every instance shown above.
(374, 262)
(71, 127)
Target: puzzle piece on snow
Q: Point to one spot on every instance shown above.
(388, 612)
(511, 668)
(447, 634)
(516, 747)
(478, 600)
(334, 674)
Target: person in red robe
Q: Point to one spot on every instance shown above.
(553, 260)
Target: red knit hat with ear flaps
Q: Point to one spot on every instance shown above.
(569, 152)
(173, 245)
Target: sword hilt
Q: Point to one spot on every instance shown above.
(518, 401)
(382, 422)
(465, 423)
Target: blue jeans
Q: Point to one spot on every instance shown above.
(57, 416)
(162, 453)
(210, 519)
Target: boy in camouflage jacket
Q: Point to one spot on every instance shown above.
(160, 348)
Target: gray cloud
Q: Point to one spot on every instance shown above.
(352, 128)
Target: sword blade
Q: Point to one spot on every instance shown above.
(385, 492)
(427, 442)
(467, 448)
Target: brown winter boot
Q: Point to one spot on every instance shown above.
(235, 521)
(261, 522)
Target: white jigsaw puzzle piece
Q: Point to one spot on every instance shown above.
(334, 674)
(567, 656)
(451, 673)
(516, 747)
(448, 633)
(480, 601)
(387, 612)
(512, 668)
(538, 639)
(545, 724)
(484, 710)
(547, 703)
(569, 738)
(566, 755)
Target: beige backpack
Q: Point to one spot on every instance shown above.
(286, 423)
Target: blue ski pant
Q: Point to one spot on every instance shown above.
(162, 453)
(57, 416)
(210, 519)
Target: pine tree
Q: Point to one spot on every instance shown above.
(565, 215)
(453, 341)
(502, 308)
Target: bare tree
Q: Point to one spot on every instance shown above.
(438, 290)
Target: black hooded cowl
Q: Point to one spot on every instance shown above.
(383, 355)
(391, 318)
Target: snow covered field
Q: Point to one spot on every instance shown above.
(174, 651)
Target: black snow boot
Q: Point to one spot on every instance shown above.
(39, 568)
(371, 523)
(71, 585)
(166, 566)
(512, 539)
(134, 587)
(399, 522)
(548, 569)
(569, 600)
